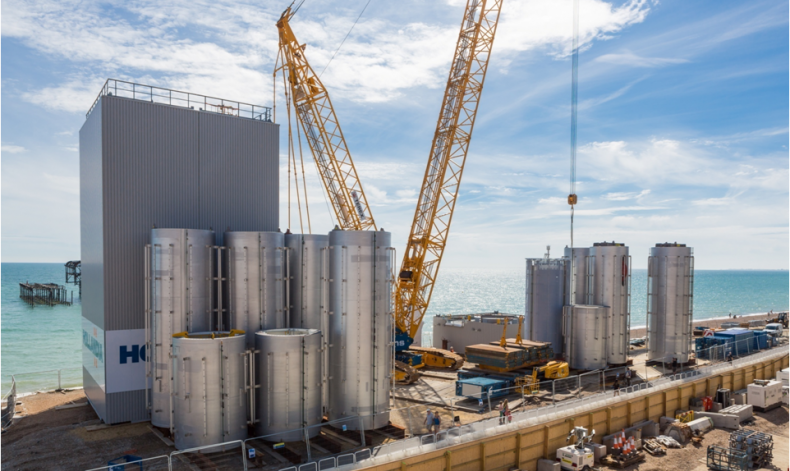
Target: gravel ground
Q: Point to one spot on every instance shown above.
(46, 438)
(692, 458)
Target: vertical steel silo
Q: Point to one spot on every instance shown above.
(609, 269)
(585, 340)
(179, 299)
(305, 252)
(290, 370)
(670, 295)
(544, 299)
(577, 284)
(257, 281)
(209, 389)
(361, 345)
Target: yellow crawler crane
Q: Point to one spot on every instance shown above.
(434, 212)
(317, 118)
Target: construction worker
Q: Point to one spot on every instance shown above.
(429, 420)
(616, 385)
(628, 378)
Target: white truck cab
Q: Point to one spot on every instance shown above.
(776, 328)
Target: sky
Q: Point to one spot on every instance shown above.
(682, 118)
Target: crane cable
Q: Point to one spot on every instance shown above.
(344, 39)
(290, 143)
(572, 198)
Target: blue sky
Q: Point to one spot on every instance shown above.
(683, 116)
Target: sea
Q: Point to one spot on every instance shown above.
(37, 341)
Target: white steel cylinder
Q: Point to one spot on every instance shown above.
(610, 268)
(360, 327)
(290, 371)
(180, 296)
(585, 343)
(545, 296)
(576, 286)
(257, 272)
(209, 389)
(670, 291)
(304, 261)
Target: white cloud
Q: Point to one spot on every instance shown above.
(206, 46)
(630, 59)
(531, 24)
(624, 196)
(11, 149)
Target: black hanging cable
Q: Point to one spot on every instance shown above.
(572, 198)
(344, 39)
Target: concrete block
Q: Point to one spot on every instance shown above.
(548, 465)
(599, 451)
(743, 411)
(728, 421)
(649, 428)
(716, 407)
(740, 396)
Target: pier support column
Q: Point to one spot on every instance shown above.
(448, 461)
(483, 456)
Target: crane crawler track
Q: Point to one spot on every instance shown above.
(439, 358)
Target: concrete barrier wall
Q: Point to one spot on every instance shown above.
(523, 449)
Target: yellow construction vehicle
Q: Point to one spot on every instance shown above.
(551, 370)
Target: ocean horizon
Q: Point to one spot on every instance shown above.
(49, 338)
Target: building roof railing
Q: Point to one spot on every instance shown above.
(166, 96)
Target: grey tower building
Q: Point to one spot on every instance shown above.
(150, 156)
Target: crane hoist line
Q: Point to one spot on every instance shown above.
(439, 193)
(321, 127)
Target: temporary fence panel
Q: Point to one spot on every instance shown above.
(229, 455)
(135, 463)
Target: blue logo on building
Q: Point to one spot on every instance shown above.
(135, 353)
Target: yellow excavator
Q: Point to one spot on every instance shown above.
(551, 370)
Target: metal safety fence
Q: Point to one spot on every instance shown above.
(10, 406)
(48, 380)
(357, 450)
(166, 96)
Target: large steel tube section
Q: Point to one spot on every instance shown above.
(257, 278)
(290, 370)
(577, 284)
(179, 300)
(361, 333)
(585, 343)
(209, 389)
(545, 297)
(670, 288)
(610, 274)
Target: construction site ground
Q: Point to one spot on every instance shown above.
(693, 457)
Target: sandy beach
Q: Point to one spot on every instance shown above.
(641, 331)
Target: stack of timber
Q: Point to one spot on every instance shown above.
(511, 357)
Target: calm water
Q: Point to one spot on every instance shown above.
(45, 338)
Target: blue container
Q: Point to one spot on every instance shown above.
(703, 347)
(762, 340)
(741, 341)
(488, 387)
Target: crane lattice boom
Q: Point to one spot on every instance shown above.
(445, 167)
(318, 120)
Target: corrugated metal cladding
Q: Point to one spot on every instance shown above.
(144, 164)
